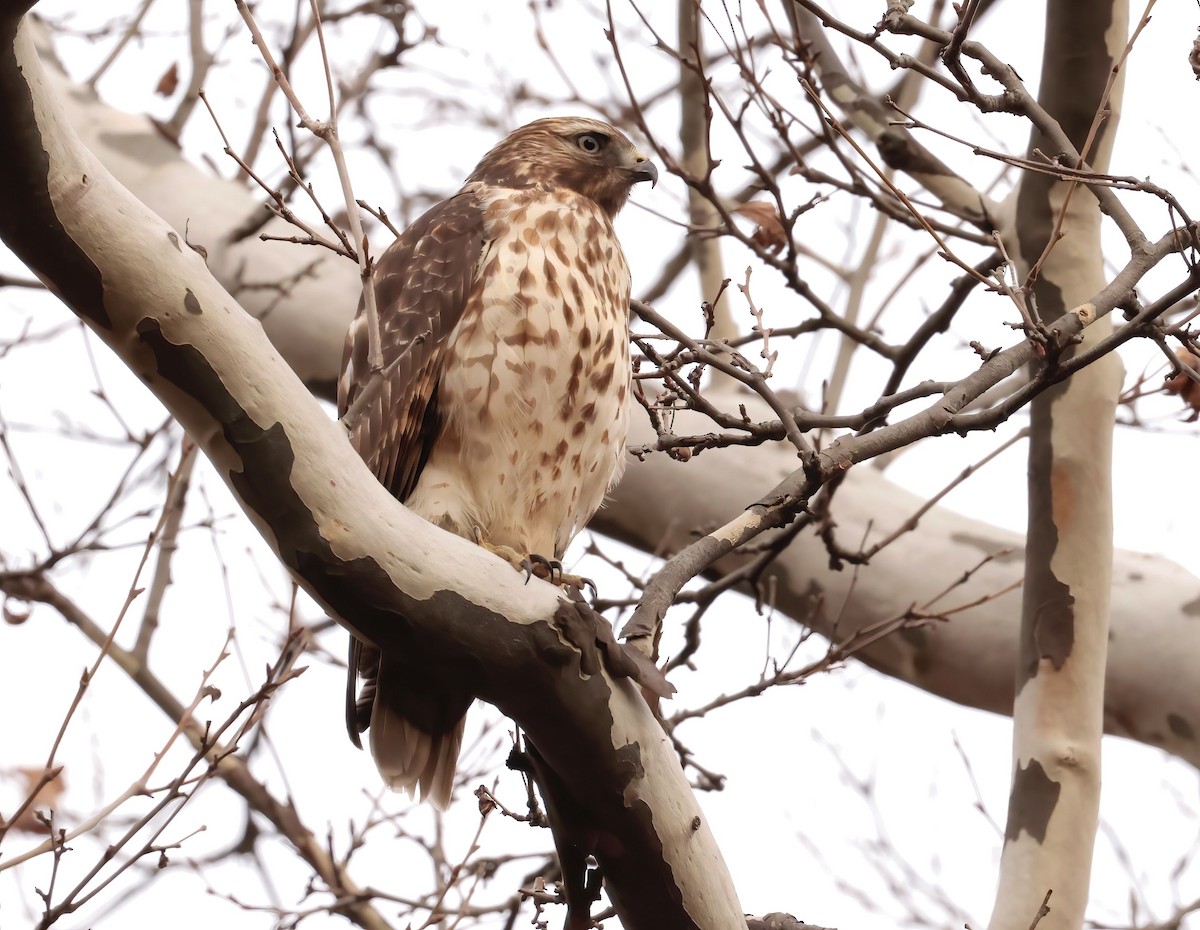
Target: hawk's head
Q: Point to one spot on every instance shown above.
(587, 156)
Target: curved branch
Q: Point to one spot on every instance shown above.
(388, 575)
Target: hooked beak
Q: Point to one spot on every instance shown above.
(644, 170)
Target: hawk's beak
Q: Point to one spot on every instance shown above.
(644, 170)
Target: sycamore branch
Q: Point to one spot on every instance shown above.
(391, 577)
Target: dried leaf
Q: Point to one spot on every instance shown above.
(1183, 384)
(46, 799)
(770, 233)
(168, 82)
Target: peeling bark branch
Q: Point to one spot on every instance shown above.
(304, 299)
(391, 577)
(695, 124)
(1054, 801)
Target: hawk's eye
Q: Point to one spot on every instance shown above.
(591, 142)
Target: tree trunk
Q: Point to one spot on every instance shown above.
(1059, 709)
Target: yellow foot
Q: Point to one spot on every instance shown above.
(532, 564)
(551, 570)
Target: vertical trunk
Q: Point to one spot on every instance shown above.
(694, 110)
(1058, 713)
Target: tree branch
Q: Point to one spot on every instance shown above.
(394, 579)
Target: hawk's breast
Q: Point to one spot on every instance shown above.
(534, 393)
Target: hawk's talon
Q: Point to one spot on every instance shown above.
(588, 583)
(551, 567)
(550, 570)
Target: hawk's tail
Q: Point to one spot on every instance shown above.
(416, 718)
(407, 757)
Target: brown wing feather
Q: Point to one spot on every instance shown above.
(421, 286)
(422, 282)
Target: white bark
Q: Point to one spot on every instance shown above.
(307, 315)
(694, 112)
(392, 577)
(1054, 801)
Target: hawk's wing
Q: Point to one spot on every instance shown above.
(422, 285)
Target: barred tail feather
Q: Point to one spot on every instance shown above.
(407, 757)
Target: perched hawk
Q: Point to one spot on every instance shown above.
(503, 407)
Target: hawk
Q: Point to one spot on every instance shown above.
(502, 407)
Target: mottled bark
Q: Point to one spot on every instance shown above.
(304, 297)
(1059, 709)
(970, 660)
(388, 575)
(695, 112)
